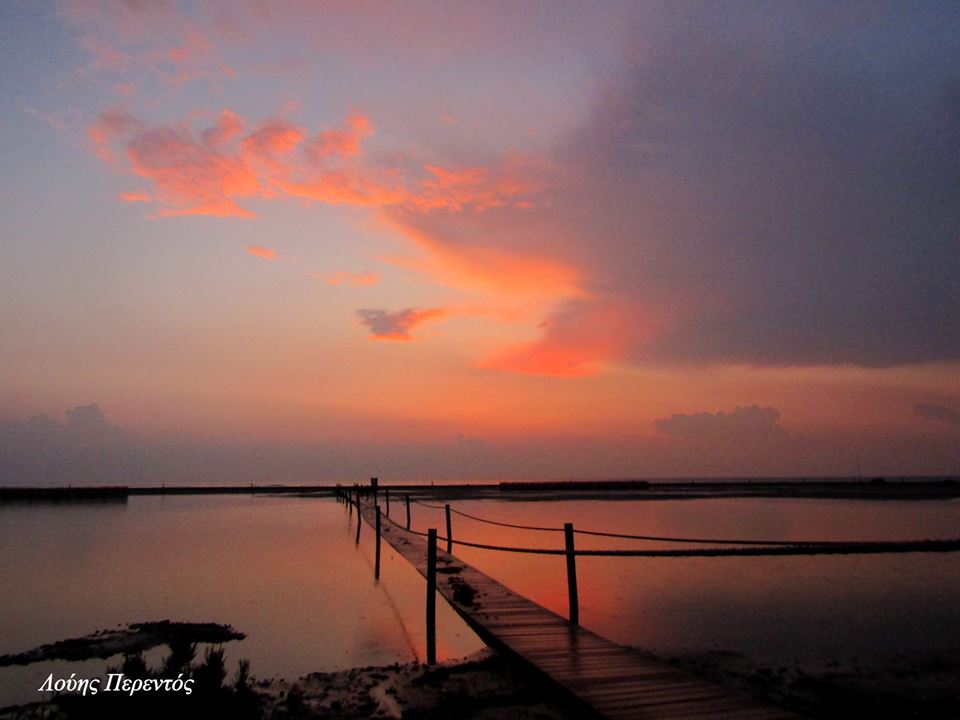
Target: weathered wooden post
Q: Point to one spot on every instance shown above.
(386, 493)
(359, 518)
(376, 562)
(449, 531)
(374, 482)
(408, 512)
(571, 574)
(431, 596)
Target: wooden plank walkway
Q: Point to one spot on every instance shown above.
(616, 682)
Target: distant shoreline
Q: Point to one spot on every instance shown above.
(908, 488)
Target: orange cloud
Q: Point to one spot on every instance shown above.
(272, 141)
(510, 182)
(135, 197)
(386, 325)
(262, 252)
(485, 266)
(345, 143)
(216, 171)
(350, 279)
(229, 126)
(455, 213)
(576, 341)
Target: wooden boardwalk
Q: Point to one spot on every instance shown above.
(613, 681)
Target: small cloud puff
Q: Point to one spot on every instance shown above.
(350, 279)
(752, 423)
(262, 252)
(386, 325)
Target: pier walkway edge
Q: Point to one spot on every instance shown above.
(611, 680)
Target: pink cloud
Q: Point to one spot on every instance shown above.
(135, 197)
(110, 125)
(218, 170)
(345, 143)
(470, 220)
(152, 37)
(576, 340)
(350, 279)
(263, 253)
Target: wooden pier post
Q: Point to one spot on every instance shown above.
(431, 596)
(571, 575)
(374, 482)
(359, 518)
(605, 679)
(386, 494)
(408, 512)
(449, 530)
(376, 562)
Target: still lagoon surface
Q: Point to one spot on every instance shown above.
(286, 572)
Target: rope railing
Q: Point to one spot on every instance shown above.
(489, 522)
(763, 548)
(355, 500)
(666, 539)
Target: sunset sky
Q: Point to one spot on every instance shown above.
(296, 241)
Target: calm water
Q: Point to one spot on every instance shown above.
(287, 573)
(778, 610)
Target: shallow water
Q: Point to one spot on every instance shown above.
(286, 572)
(776, 610)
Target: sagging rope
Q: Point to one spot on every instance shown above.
(654, 538)
(835, 548)
(489, 522)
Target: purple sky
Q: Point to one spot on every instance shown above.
(298, 240)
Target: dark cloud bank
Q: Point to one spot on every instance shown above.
(86, 449)
(796, 170)
(767, 183)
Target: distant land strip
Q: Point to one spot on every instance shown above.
(633, 489)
